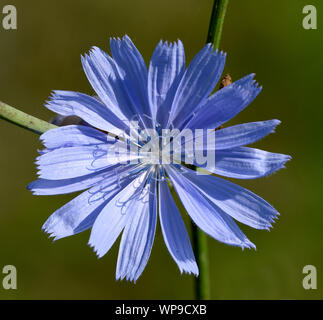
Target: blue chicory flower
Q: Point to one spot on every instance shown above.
(126, 198)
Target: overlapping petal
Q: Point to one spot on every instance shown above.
(243, 134)
(134, 75)
(114, 216)
(138, 235)
(101, 72)
(89, 109)
(224, 104)
(228, 138)
(113, 86)
(72, 136)
(174, 232)
(237, 202)
(245, 163)
(73, 162)
(211, 219)
(166, 69)
(63, 186)
(80, 213)
(197, 83)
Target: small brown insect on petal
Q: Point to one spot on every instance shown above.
(226, 80)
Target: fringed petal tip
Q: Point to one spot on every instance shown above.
(248, 88)
(49, 229)
(95, 249)
(287, 158)
(130, 277)
(251, 89)
(55, 95)
(33, 192)
(51, 234)
(211, 46)
(247, 163)
(125, 38)
(84, 58)
(271, 220)
(281, 165)
(190, 268)
(33, 187)
(268, 225)
(274, 123)
(247, 83)
(30, 186)
(247, 244)
(93, 52)
(169, 44)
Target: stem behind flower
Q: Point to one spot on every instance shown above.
(202, 283)
(24, 120)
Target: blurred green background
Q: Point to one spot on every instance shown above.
(265, 37)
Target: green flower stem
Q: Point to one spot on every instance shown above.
(24, 120)
(202, 283)
(216, 22)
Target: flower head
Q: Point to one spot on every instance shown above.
(121, 155)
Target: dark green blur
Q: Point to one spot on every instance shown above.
(265, 37)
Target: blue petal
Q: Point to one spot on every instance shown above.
(225, 104)
(166, 69)
(72, 136)
(65, 221)
(111, 83)
(101, 72)
(227, 138)
(128, 58)
(175, 235)
(80, 213)
(199, 80)
(211, 219)
(138, 235)
(63, 186)
(238, 202)
(243, 134)
(246, 163)
(113, 218)
(66, 163)
(89, 109)
(72, 162)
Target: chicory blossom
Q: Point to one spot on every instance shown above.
(125, 197)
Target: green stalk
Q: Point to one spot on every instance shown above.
(200, 245)
(216, 22)
(24, 120)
